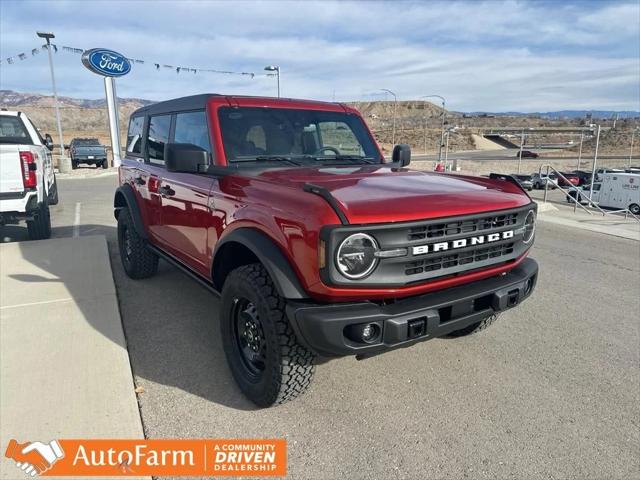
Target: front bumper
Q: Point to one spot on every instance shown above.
(328, 329)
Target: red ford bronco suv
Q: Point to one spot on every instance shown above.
(317, 246)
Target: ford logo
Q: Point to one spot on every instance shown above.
(106, 62)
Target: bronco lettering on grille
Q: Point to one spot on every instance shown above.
(462, 242)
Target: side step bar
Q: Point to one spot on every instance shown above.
(177, 263)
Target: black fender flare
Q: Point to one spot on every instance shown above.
(270, 255)
(125, 198)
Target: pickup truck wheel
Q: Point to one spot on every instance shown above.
(475, 327)
(634, 208)
(74, 164)
(40, 227)
(138, 261)
(105, 164)
(265, 358)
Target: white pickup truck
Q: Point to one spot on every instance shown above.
(27, 180)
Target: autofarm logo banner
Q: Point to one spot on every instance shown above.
(111, 458)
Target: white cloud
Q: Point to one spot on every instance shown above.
(480, 56)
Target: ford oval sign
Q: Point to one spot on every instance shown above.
(106, 62)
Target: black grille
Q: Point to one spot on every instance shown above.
(453, 260)
(443, 230)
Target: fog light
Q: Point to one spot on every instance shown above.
(369, 332)
(528, 286)
(363, 333)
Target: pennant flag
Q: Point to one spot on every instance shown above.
(65, 48)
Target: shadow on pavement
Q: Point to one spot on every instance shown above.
(170, 324)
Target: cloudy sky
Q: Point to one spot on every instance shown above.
(491, 56)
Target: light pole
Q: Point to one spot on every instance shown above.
(395, 105)
(441, 127)
(521, 146)
(580, 150)
(595, 164)
(633, 134)
(446, 151)
(64, 165)
(274, 68)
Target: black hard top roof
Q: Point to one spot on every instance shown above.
(193, 102)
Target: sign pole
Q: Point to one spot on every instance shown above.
(109, 64)
(114, 121)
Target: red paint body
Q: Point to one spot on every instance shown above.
(205, 208)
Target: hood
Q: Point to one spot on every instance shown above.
(375, 194)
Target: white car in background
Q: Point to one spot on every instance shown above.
(27, 180)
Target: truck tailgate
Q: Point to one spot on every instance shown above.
(10, 169)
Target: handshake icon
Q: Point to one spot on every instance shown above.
(34, 458)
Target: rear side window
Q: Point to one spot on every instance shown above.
(134, 135)
(12, 130)
(191, 127)
(158, 137)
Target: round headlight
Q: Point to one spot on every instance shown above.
(529, 226)
(355, 257)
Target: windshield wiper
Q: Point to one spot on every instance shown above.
(338, 158)
(271, 158)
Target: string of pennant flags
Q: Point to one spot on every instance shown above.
(158, 66)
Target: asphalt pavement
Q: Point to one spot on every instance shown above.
(552, 390)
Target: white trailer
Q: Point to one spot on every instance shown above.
(619, 190)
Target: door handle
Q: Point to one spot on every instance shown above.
(139, 180)
(166, 191)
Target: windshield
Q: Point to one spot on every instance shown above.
(296, 136)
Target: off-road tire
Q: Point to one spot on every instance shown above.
(105, 164)
(475, 327)
(137, 260)
(288, 366)
(40, 227)
(53, 192)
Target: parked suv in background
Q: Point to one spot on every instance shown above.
(540, 179)
(524, 180)
(568, 179)
(27, 180)
(89, 151)
(317, 247)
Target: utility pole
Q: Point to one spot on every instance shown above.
(64, 165)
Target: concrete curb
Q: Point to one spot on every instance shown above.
(65, 369)
(546, 207)
(591, 227)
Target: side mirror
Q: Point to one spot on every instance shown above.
(185, 157)
(401, 155)
(48, 141)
